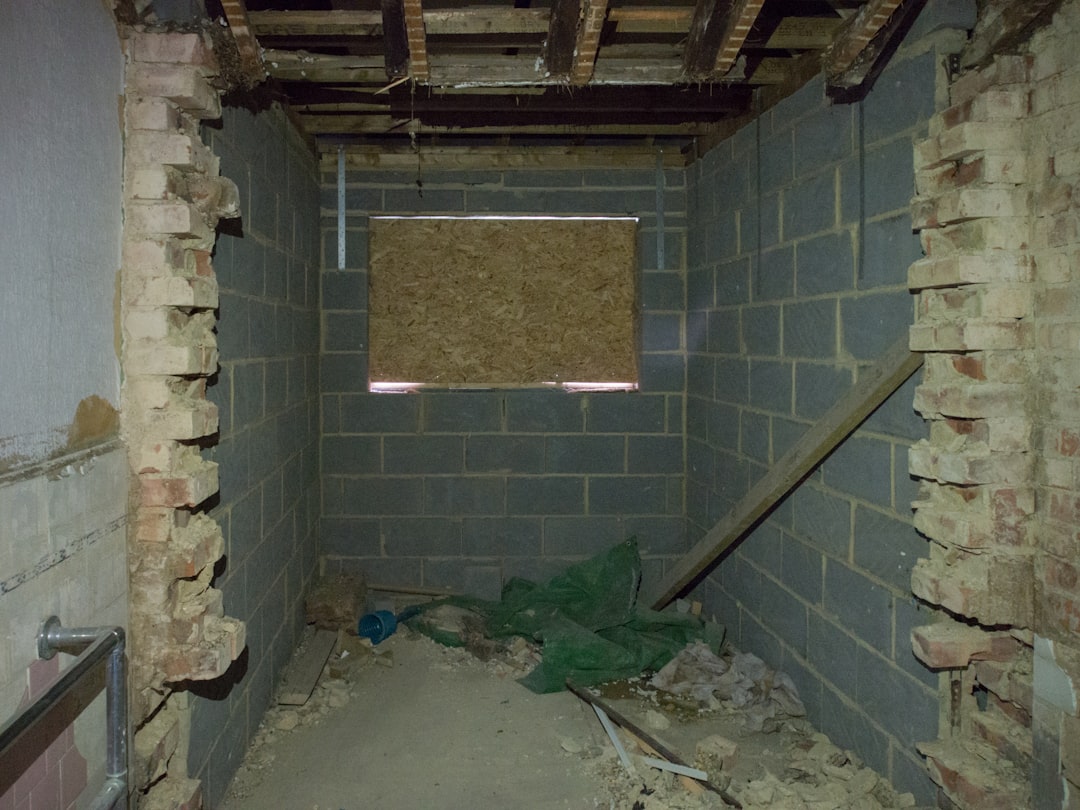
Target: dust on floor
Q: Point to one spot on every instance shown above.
(413, 724)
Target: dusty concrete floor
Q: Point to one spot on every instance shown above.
(425, 726)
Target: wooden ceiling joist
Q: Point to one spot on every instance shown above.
(857, 33)
(562, 38)
(854, 81)
(703, 41)
(417, 38)
(740, 20)
(247, 46)
(385, 124)
(404, 156)
(395, 39)
(588, 41)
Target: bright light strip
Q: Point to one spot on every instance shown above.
(572, 387)
(539, 217)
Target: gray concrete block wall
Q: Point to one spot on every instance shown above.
(266, 391)
(464, 489)
(806, 290)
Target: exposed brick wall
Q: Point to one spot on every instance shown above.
(800, 240)
(266, 391)
(998, 318)
(465, 489)
(173, 198)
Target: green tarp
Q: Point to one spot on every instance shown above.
(589, 623)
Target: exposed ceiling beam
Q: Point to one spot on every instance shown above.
(251, 62)
(650, 20)
(562, 38)
(414, 30)
(339, 22)
(803, 33)
(588, 41)
(395, 39)
(703, 42)
(857, 33)
(404, 156)
(740, 20)
(322, 125)
(856, 80)
(1002, 25)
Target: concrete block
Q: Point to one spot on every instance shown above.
(785, 615)
(824, 137)
(889, 247)
(541, 411)
(662, 291)
(754, 442)
(761, 330)
(723, 425)
(355, 455)
(585, 454)
(421, 537)
(345, 373)
(700, 289)
(346, 332)
(425, 201)
(801, 569)
(771, 386)
(501, 536)
(625, 413)
(544, 495)
(776, 164)
(701, 370)
(902, 98)
(423, 454)
(886, 547)
(375, 413)
(733, 381)
(818, 387)
(462, 412)
(652, 455)
(825, 264)
(627, 495)
(831, 652)
(871, 323)
(732, 282)
(809, 206)
(862, 467)
(810, 329)
(382, 495)
(507, 454)
(722, 332)
(861, 606)
(768, 217)
(774, 276)
(657, 535)
(455, 496)
(662, 372)
(661, 332)
(905, 708)
(888, 184)
(586, 536)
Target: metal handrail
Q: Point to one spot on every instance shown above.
(92, 645)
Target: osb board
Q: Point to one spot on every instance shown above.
(474, 302)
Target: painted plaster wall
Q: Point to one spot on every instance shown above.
(62, 497)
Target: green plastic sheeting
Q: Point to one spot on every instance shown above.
(589, 624)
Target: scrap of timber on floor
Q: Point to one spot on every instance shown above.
(616, 72)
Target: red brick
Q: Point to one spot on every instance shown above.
(971, 781)
(971, 401)
(1004, 71)
(185, 86)
(950, 645)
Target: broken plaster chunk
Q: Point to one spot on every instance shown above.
(716, 755)
(287, 720)
(657, 721)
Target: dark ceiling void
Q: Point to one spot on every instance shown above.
(583, 71)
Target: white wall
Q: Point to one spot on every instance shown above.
(62, 512)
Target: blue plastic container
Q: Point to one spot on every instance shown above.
(377, 626)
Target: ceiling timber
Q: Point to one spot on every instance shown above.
(552, 73)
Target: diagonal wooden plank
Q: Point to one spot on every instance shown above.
(588, 41)
(414, 33)
(855, 81)
(739, 22)
(873, 388)
(703, 41)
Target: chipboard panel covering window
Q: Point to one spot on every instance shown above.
(485, 302)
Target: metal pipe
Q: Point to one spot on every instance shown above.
(92, 645)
